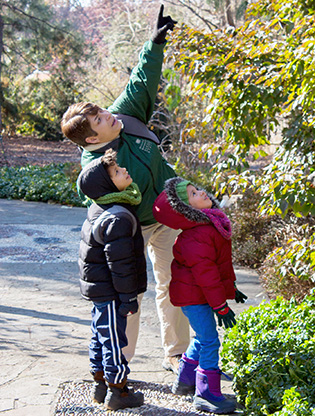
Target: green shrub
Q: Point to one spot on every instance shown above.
(254, 235)
(295, 405)
(271, 352)
(290, 270)
(50, 183)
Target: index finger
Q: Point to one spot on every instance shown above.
(161, 11)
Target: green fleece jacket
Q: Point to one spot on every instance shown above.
(140, 156)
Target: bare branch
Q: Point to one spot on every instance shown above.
(206, 21)
(129, 23)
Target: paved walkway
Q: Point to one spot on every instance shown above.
(44, 333)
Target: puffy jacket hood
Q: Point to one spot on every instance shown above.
(170, 210)
(94, 181)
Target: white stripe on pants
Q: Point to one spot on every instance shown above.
(108, 338)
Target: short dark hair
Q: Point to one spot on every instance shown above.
(109, 158)
(75, 124)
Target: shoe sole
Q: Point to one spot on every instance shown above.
(215, 411)
(212, 408)
(170, 368)
(114, 408)
(182, 389)
(118, 404)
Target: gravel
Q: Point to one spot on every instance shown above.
(75, 399)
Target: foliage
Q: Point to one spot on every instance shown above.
(295, 405)
(199, 176)
(271, 352)
(287, 185)
(254, 235)
(210, 13)
(51, 183)
(117, 31)
(289, 270)
(257, 80)
(42, 60)
(172, 92)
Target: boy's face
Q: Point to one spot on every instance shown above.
(198, 199)
(119, 176)
(105, 125)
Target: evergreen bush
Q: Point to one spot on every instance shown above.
(271, 352)
(50, 183)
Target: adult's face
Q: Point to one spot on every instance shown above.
(105, 125)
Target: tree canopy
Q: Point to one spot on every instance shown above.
(253, 81)
(41, 61)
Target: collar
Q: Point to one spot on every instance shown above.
(102, 147)
(93, 147)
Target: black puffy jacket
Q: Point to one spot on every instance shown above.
(111, 255)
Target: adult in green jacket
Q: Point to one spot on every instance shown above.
(122, 127)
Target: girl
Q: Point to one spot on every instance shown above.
(202, 281)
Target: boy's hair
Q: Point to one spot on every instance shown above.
(109, 158)
(94, 180)
(75, 125)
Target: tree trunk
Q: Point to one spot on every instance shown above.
(228, 11)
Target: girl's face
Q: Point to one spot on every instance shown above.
(198, 199)
(119, 176)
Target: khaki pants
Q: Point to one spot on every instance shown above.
(159, 240)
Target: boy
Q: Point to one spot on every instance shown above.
(94, 129)
(112, 274)
(202, 281)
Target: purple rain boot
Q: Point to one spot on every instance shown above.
(208, 395)
(186, 378)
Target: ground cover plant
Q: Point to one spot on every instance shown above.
(51, 183)
(271, 352)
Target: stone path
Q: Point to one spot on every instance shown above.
(44, 332)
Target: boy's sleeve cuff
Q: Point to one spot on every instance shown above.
(158, 47)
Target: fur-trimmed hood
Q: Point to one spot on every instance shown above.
(170, 210)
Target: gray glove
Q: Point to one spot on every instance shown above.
(163, 24)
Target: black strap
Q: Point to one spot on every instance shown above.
(135, 127)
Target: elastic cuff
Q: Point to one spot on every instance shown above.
(157, 46)
(189, 360)
(224, 305)
(128, 297)
(207, 372)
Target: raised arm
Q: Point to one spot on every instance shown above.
(139, 96)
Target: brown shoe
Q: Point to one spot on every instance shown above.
(118, 396)
(99, 389)
(172, 363)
